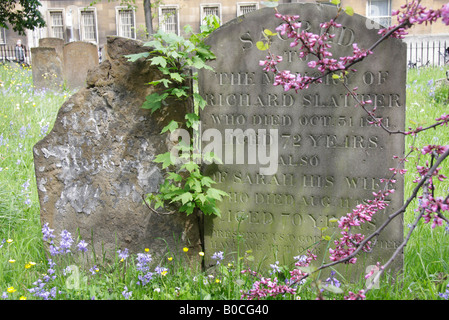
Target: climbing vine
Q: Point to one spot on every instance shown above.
(178, 59)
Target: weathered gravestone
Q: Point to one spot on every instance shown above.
(79, 58)
(46, 68)
(329, 158)
(56, 43)
(94, 166)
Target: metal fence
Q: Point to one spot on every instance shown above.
(427, 53)
(8, 53)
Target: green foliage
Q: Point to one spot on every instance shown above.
(176, 57)
(21, 15)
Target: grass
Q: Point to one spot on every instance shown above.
(26, 116)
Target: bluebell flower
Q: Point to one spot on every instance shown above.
(219, 256)
(143, 261)
(144, 279)
(82, 246)
(126, 294)
(123, 254)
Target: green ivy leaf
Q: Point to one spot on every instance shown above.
(179, 92)
(172, 126)
(184, 198)
(160, 61)
(165, 159)
(206, 181)
(176, 76)
(199, 100)
(153, 101)
(174, 176)
(190, 166)
(137, 56)
(216, 193)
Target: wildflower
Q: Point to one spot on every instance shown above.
(82, 246)
(126, 294)
(11, 260)
(11, 290)
(219, 256)
(4, 295)
(94, 270)
(66, 241)
(185, 249)
(123, 254)
(147, 250)
(143, 260)
(445, 295)
(275, 267)
(47, 233)
(217, 280)
(332, 280)
(170, 258)
(144, 279)
(161, 270)
(9, 241)
(201, 253)
(22, 298)
(157, 290)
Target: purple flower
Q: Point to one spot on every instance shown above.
(94, 270)
(144, 279)
(66, 241)
(47, 233)
(126, 294)
(218, 256)
(143, 260)
(123, 254)
(82, 246)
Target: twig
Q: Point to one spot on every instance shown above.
(160, 213)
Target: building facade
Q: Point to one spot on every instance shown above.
(76, 20)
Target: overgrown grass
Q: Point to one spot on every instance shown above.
(26, 116)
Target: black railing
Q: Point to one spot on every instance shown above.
(9, 53)
(427, 53)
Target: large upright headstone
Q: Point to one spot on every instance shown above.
(46, 68)
(96, 164)
(56, 43)
(79, 58)
(329, 156)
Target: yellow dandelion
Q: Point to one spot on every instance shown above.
(11, 290)
(9, 240)
(185, 249)
(201, 253)
(170, 258)
(217, 280)
(22, 298)
(164, 273)
(32, 263)
(11, 260)
(27, 266)
(147, 250)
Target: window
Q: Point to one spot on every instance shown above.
(380, 12)
(168, 19)
(2, 36)
(210, 9)
(88, 25)
(246, 7)
(56, 24)
(126, 22)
